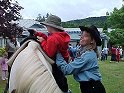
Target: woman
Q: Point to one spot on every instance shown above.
(85, 66)
(113, 54)
(11, 46)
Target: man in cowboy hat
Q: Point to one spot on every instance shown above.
(58, 40)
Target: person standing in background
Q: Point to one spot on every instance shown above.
(11, 46)
(118, 54)
(113, 54)
(121, 53)
(102, 56)
(105, 49)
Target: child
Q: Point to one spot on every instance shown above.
(58, 40)
(4, 67)
(85, 66)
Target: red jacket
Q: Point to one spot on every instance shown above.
(55, 42)
(118, 52)
(113, 50)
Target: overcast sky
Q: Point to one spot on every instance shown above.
(68, 9)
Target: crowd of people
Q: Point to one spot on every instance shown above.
(116, 53)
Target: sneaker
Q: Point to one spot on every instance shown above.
(6, 78)
(69, 91)
(3, 79)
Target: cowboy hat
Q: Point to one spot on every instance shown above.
(93, 32)
(53, 21)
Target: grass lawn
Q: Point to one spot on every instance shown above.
(112, 78)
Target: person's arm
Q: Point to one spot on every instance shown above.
(40, 34)
(73, 67)
(18, 45)
(50, 46)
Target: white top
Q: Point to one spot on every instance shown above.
(105, 50)
(121, 51)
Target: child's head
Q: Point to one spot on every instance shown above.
(53, 24)
(53, 30)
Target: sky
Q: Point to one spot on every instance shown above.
(68, 9)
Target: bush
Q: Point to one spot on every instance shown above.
(2, 51)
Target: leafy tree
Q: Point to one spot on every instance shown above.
(105, 27)
(9, 11)
(42, 18)
(47, 15)
(117, 37)
(116, 19)
(107, 13)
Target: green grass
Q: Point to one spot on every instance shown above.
(2, 85)
(112, 78)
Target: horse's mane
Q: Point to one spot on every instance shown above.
(29, 38)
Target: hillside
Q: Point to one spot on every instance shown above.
(97, 21)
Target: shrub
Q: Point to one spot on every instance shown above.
(2, 51)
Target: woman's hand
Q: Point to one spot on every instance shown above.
(40, 39)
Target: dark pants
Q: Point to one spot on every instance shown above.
(106, 55)
(103, 58)
(92, 87)
(9, 69)
(113, 57)
(61, 80)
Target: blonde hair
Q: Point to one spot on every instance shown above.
(91, 46)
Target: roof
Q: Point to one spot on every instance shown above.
(29, 23)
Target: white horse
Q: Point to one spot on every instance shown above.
(31, 71)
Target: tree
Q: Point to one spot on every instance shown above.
(42, 18)
(9, 11)
(105, 26)
(117, 37)
(116, 18)
(47, 15)
(107, 13)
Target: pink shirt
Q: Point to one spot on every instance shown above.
(3, 62)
